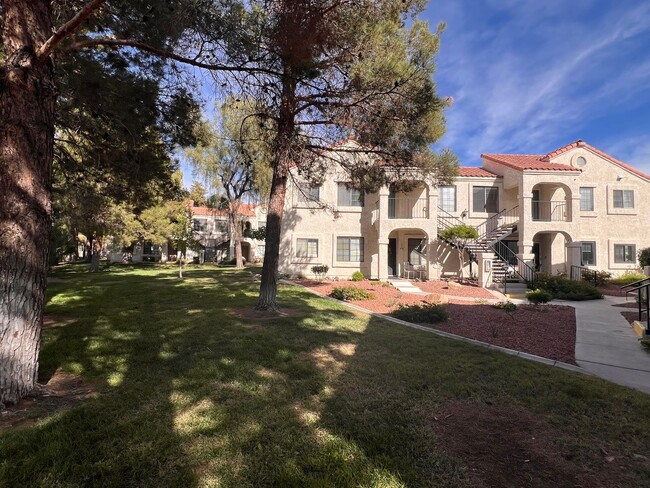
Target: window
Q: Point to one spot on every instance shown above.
(448, 198)
(309, 194)
(588, 254)
(349, 249)
(261, 248)
(623, 198)
(349, 197)
(417, 249)
(486, 199)
(586, 199)
(625, 253)
(307, 248)
(199, 225)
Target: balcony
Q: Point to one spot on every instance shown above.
(407, 208)
(554, 211)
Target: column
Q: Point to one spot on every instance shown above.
(485, 260)
(382, 262)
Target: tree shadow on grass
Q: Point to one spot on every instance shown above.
(192, 396)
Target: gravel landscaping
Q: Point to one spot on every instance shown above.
(545, 330)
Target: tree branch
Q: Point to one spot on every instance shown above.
(77, 46)
(66, 29)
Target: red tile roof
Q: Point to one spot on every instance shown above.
(528, 162)
(581, 143)
(472, 171)
(245, 210)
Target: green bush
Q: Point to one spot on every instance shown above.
(507, 307)
(627, 278)
(358, 276)
(320, 270)
(601, 277)
(427, 313)
(351, 293)
(565, 289)
(644, 257)
(539, 296)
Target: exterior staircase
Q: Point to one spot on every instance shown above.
(509, 272)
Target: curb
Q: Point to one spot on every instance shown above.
(511, 352)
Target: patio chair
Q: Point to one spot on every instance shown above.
(419, 271)
(408, 271)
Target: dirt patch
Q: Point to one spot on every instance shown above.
(546, 330)
(632, 316)
(63, 390)
(52, 320)
(612, 290)
(251, 313)
(465, 290)
(511, 446)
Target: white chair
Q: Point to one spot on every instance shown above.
(408, 271)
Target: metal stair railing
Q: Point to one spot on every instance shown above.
(518, 265)
(643, 299)
(446, 220)
(500, 220)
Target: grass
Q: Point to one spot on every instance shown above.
(192, 396)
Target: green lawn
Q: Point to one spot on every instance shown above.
(192, 396)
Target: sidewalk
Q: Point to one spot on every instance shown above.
(606, 345)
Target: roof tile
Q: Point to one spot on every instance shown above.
(528, 162)
(472, 171)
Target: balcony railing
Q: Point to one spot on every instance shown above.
(407, 208)
(549, 211)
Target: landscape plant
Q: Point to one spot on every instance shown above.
(644, 257)
(351, 293)
(422, 313)
(358, 276)
(539, 296)
(320, 270)
(459, 236)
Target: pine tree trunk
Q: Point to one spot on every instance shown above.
(27, 103)
(281, 164)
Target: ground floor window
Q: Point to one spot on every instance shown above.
(349, 249)
(625, 253)
(588, 253)
(261, 249)
(307, 248)
(417, 251)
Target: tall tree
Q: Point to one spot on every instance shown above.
(198, 194)
(331, 69)
(137, 33)
(234, 156)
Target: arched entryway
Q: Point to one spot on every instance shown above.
(408, 253)
(550, 251)
(551, 202)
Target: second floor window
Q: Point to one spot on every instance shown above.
(485, 199)
(586, 199)
(448, 198)
(625, 253)
(307, 248)
(588, 253)
(623, 198)
(199, 225)
(349, 197)
(309, 194)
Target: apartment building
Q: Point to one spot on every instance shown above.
(575, 206)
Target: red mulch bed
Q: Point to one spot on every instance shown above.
(466, 290)
(611, 290)
(546, 330)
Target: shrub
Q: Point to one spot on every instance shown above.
(565, 289)
(598, 278)
(627, 278)
(350, 293)
(320, 270)
(539, 296)
(644, 257)
(507, 307)
(358, 276)
(428, 313)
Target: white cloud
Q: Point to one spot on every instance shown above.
(539, 75)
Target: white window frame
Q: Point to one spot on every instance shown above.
(593, 252)
(348, 200)
(623, 200)
(445, 199)
(310, 250)
(582, 200)
(360, 251)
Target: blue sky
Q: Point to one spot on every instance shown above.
(531, 76)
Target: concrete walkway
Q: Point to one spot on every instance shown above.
(606, 345)
(406, 286)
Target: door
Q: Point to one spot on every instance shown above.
(536, 261)
(392, 257)
(535, 203)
